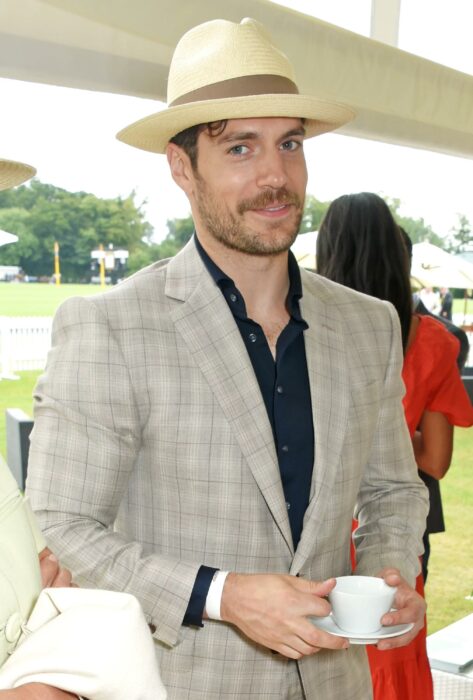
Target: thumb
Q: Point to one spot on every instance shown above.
(318, 588)
(391, 576)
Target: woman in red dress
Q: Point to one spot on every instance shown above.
(360, 245)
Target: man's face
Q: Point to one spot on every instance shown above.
(249, 187)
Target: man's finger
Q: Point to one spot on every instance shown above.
(317, 638)
(402, 640)
(52, 575)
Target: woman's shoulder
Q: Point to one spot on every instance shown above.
(430, 331)
(433, 347)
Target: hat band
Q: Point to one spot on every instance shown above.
(244, 86)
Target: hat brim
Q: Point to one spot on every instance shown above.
(13, 173)
(154, 132)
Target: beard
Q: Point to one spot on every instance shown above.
(231, 230)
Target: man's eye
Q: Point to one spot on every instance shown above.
(239, 150)
(290, 145)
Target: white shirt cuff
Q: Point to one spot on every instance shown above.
(214, 596)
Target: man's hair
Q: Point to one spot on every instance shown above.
(187, 139)
(360, 245)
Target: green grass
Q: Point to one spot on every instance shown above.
(451, 562)
(31, 299)
(15, 394)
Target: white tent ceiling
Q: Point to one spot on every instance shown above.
(125, 47)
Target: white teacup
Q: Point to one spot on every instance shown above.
(359, 602)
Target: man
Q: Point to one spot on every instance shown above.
(431, 300)
(217, 413)
(446, 305)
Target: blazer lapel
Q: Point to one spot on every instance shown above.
(222, 357)
(330, 393)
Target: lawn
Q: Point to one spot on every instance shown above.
(451, 564)
(31, 299)
(34, 299)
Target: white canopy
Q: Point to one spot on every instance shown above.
(125, 47)
(304, 249)
(6, 237)
(434, 267)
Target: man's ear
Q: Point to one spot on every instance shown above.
(181, 168)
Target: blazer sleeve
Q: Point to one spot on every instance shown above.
(393, 501)
(84, 445)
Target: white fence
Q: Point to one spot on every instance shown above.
(24, 343)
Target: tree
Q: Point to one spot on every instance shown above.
(180, 231)
(314, 212)
(461, 237)
(16, 220)
(417, 230)
(41, 214)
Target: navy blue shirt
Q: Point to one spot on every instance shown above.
(284, 385)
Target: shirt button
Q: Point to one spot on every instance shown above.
(288, 505)
(233, 297)
(253, 337)
(285, 448)
(279, 389)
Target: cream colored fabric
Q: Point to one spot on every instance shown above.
(20, 579)
(35, 531)
(93, 643)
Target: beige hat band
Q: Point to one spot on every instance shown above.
(247, 85)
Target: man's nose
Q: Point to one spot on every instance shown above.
(271, 171)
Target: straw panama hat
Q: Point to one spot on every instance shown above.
(224, 70)
(13, 173)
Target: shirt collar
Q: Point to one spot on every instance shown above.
(224, 281)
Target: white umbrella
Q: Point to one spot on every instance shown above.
(7, 237)
(434, 267)
(304, 249)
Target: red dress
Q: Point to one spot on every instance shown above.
(433, 383)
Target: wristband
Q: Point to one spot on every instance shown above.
(214, 596)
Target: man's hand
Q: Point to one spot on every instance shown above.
(52, 575)
(410, 606)
(36, 691)
(272, 610)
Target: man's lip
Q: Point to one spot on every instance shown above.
(272, 210)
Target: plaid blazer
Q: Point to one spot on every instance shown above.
(152, 454)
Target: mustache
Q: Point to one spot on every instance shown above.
(268, 197)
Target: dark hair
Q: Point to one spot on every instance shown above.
(407, 243)
(187, 139)
(360, 245)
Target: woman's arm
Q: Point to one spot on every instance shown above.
(433, 444)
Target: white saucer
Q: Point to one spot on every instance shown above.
(328, 625)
